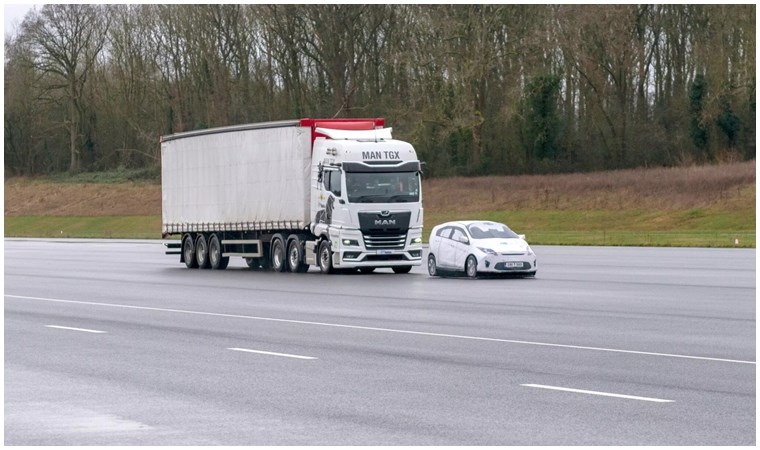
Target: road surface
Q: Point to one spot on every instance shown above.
(115, 343)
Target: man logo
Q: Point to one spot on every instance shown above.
(385, 222)
(385, 213)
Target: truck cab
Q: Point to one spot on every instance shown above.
(366, 200)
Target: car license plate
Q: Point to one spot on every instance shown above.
(384, 252)
(513, 264)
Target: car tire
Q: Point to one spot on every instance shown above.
(432, 266)
(471, 267)
(402, 269)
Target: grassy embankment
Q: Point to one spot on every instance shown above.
(710, 206)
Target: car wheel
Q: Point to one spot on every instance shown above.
(471, 267)
(432, 266)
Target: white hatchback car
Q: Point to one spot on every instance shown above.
(475, 247)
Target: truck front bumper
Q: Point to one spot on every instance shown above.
(352, 252)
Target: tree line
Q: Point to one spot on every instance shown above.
(478, 89)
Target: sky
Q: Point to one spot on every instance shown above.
(13, 14)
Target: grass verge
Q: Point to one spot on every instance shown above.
(696, 228)
(116, 227)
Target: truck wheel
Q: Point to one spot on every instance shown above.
(201, 251)
(218, 262)
(324, 257)
(295, 256)
(188, 252)
(279, 263)
(366, 269)
(402, 269)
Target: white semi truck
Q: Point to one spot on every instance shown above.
(339, 194)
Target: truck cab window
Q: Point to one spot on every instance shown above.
(382, 187)
(332, 181)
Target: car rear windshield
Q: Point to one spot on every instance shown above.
(489, 230)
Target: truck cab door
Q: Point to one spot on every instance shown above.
(335, 210)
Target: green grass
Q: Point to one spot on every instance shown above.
(116, 227)
(120, 175)
(689, 228)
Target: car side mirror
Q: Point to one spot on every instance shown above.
(521, 236)
(463, 240)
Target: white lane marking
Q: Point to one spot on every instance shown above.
(260, 352)
(387, 330)
(604, 394)
(73, 329)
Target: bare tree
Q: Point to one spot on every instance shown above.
(67, 40)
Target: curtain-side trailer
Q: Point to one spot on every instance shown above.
(339, 194)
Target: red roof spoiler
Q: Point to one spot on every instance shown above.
(341, 124)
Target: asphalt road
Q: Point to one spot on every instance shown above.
(115, 343)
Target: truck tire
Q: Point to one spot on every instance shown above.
(324, 257)
(188, 251)
(201, 251)
(279, 256)
(218, 262)
(366, 270)
(402, 269)
(295, 255)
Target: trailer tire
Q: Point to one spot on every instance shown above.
(402, 269)
(296, 262)
(201, 251)
(218, 262)
(278, 254)
(188, 251)
(324, 257)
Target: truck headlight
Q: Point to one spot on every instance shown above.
(417, 240)
(350, 242)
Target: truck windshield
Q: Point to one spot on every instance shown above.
(378, 187)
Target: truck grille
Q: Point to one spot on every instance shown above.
(384, 241)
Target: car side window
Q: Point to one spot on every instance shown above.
(444, 232)
(458, 234)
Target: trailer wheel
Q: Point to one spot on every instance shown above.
(324, 257)
(295, 255)
(279, 263)
(201, 251)
(188, 251)
(402, 269)
(218, 262)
